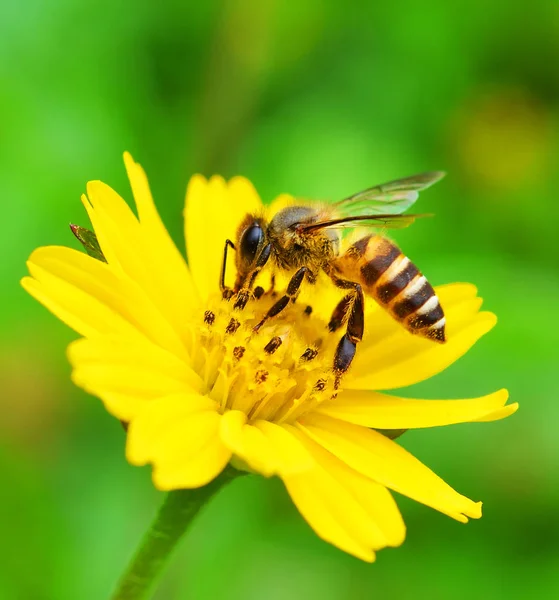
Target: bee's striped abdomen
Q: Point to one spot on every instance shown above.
(396, 284)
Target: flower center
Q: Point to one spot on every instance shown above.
(276, 374)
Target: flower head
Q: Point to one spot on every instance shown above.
(199, 388)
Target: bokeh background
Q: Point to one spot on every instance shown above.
(319, 100)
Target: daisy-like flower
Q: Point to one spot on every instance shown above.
(200, 389)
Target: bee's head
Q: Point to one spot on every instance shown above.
(251, 238)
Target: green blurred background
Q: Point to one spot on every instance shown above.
(319, 100)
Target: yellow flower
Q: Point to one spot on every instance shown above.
(199, 389)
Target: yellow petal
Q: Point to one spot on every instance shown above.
(247, 442)
(328, 509)
(99, 379)
(123, 406)
(265, 447)
(66, 275)
(117, 369)
(291, 456)
(112, 221)
(214, 210)
(173, 271)
(344, 508)
(194, 469)
(89, 311)
(380, 411)
(497, 415)
(156, 419)
(375, 456)
(63, 309)
(137, 252)
(374, 498)
(391, 358)
(191, 453)
(132, 352)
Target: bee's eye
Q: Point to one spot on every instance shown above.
(250, 241)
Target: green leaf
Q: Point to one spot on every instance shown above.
(89, 241)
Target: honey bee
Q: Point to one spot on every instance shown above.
(305, 239)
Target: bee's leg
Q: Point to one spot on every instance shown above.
(225, 291)
(290, 294)
(244, 293)
(347, 345)
(340, 312)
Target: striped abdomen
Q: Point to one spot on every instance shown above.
(396, 284)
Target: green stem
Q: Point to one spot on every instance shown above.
(175, 515)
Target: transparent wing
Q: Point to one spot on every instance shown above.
(374, 221)
(391, 198)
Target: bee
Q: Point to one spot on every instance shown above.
(305, 239)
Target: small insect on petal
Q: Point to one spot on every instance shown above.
(89, 241)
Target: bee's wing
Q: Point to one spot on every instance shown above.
(374, 221)
(391, 198)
